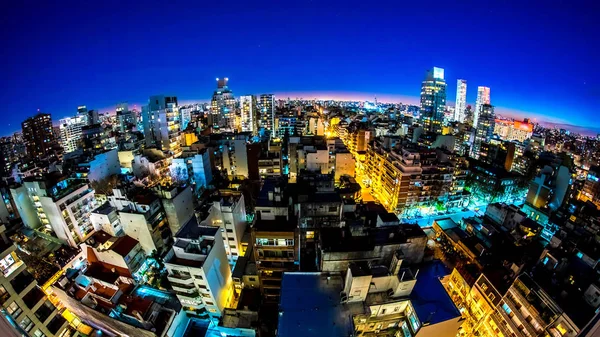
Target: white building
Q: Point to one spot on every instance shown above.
(70, 132)
(461, 101)
(199, 271)
(229, 213)
(483, 97)
(63, 206)
(102, 165)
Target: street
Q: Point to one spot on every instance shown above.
(428, 221)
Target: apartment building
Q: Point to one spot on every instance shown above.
(63, 206)
(228, 212)
(24, 304)
(199, 270)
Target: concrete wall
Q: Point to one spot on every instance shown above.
(104, 165)
(179, 210)
(25, 207)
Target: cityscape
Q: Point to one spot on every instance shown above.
(256, 213)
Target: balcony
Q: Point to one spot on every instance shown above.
(192, 295)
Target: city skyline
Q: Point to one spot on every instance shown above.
(55, 67)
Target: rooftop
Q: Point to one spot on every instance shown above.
(192, 230)
(429, 299)
(310, 306)
(124, 245)
(280, 224)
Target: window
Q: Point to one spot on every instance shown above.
(310, 234)
(26, 324)
(14, 310)
(4, 295)
(492, 297)
(229, 230)
(484, 286)
(38, 333)
(201, 286)
(209, 303)
(198, 277)
(252, 279)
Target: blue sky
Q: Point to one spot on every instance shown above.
(538, 57)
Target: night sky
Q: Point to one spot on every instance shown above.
(537, 56)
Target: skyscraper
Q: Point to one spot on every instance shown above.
(483, 97)
(162, 125)
(37, 135)
(461, 101)
(70, 132)
(484, 130)
(248, 114)
(267, 113)
(222, 106)
(433, 100)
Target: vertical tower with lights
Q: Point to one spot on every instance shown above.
(433, 100)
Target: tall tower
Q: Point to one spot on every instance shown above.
(267, 113)
(433, 100)
(222, 106)
(37, 135)
(484, 130)
(461, 101)
(162, 127)
(248, 114)
(483, 97)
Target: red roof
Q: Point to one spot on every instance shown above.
(124, 245)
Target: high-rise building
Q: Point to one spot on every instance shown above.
(37, 135)
(433, 100)
(460, 109)
(222, 106)
(484, 130)
(248, 114)
(127, 118)
(91, 116)
(8, 156)
(71, 133)
(483, 97)
(162, 124)
(267, 113)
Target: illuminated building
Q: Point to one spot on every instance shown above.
(249, 114)
(527, 310)
(460, 109)
(222, 107)
(320, 154)
(8, 156)
(409, 178)
(127, 118)
(513, 130)
(162, 126)
(37, 135)
(484, 129)
(266, 104)
(433, 100)
(70, 133)
(275, 237)
(24, 305)
(199, 271)
(63, 206)
(483, 97)
(228, 212)
(591, 186)
(194, 167)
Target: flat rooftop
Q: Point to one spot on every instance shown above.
(310, 306)
(192, 230)
(429, 298)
